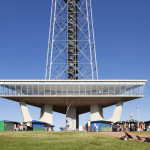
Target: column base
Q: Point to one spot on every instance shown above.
(25, 113)
(72, 124)
(96, 112)
(47, 114)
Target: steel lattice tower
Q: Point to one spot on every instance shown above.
(71, 50)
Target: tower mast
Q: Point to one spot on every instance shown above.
(71, 46)
(72, 39)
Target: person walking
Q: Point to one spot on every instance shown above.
(95, 127)
(132, 127)
(18, 126)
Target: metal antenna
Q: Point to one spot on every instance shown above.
(71, 50)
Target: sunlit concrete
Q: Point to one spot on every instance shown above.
(47, 114)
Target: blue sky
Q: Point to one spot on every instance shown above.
(122, 33)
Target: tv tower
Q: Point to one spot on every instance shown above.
(71, 50)
(71, 57)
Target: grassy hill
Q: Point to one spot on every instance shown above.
(65, 141)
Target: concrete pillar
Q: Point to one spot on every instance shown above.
(72, 115)
(96, 112)
(117, 112)
(47, 114)
(25, 113)
(77, 121)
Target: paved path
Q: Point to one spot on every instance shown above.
(120, 134)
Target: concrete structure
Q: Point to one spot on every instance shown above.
(71, 72)
(85, 96)
(25, 113)
(46, 113)
(96, 112)
(72, 113)
(117, 112)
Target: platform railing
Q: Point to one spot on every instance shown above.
(72, 88)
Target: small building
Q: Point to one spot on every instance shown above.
(6, 125)
(97, 126)
(38, 125)
(35, 125)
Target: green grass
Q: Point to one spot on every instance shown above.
(66, 141)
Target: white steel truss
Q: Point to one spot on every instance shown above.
(71, 50)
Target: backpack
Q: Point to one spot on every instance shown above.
(123, 138)
(147, 139)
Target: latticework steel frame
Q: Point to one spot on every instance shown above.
(71, 50)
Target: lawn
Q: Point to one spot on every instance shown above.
(65, 141)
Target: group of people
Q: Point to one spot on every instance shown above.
(125, 127)
(21, 127)
(129, 126)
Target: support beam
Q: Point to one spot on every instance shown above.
(72, 115)
(47, 114)
(72, 39)
(25, 113)
(77, 121)
(96, 112)
(117, 112)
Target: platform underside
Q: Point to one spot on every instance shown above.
(81, 93)
(81, 103)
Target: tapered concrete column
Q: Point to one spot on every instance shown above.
(47, 114)
(96, 112)
(72, 115)
(117, 112)
(25, 113)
